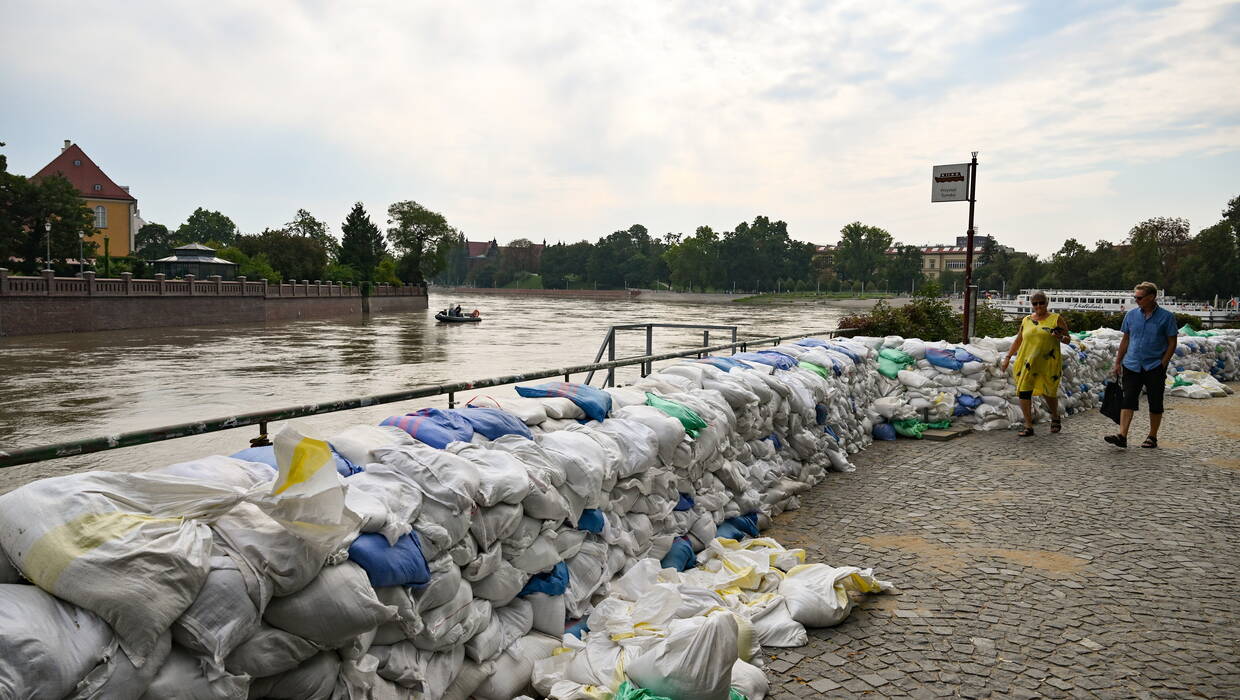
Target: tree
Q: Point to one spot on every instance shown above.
(1070, 265)
(1214, 266)
(204, 225)
(514, 259)
(252, 268)
(294, 257)
(860, 253)
(304, 224)
(361, 245)
(26, 204)
(563, 264)
(761, 255)
(155, 241)
(903, 269)
(421, 237)
(1156, 247)
(695, 261)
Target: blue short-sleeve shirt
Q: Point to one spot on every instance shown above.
(1147, 337)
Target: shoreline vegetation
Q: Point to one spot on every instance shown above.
(810, 297)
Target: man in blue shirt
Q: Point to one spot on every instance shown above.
(1148, 344)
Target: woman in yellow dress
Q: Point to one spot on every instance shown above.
(1039, 365)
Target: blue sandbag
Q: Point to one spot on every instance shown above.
(846, 352)
(595, 402)
(267, 455)
(553, 582)
(433, 426)
(729, 531)
(680, 557)
(965, 356)
(685, 502)
(821, 414)
(747, 524)
(884, 431)
(943, 358)
(779, 444)
(591, 520)
(812, 342)
(401, 565)
(493, 423)
(579, 628)
(726, 364)
(769, 357)
(827, 429)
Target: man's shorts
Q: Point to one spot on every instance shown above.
(1153, 380)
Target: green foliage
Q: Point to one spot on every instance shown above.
(861, 252)
(26, 204)
(695, 261)
(927, 316)
(422, 238)
(902, 271)
(362, 244)
(304, 224)
(385, 271)
(291, 256)
(205, 225)
(252, 268)
(155, 241)
(337, 272)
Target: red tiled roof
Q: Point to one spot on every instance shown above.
(75, 165)
(477, 249)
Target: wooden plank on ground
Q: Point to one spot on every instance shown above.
(947, 434)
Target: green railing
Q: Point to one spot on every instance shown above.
(42, 453)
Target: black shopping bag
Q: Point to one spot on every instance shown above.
(1112, 400)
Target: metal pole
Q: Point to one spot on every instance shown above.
(968, 256)
(47, 227)
(648, 367)
(611, 357)
(81, 262)
(107, 259)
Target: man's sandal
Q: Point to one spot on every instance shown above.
(1056, 425)
(1150, 442)
(1027, 432)
(1117, 440)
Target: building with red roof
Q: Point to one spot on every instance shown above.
(115, 209)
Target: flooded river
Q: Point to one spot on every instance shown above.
(76, 385)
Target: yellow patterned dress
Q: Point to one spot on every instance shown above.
(1038, 362)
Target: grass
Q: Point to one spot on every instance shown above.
(773, 298)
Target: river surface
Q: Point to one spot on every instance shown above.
(70, 386)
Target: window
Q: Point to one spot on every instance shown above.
(77, 162)
(955, 264)
(98, 188)
(101, 217)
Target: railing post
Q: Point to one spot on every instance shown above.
(219, 284)
(705, 342)
(4, 281)
(127, 282)
(161, 281)
(89, 276)
(49, 280)
(242, 281)
(266, 286)
(648, 366)
(733, 340)
(318, 288)
(611, 357)
(189, 279)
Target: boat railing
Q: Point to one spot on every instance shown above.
(70, 448)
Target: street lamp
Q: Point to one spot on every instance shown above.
(81, 261)
(47, 227)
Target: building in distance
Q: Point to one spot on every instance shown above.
(115, 209)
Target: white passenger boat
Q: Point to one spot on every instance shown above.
(1116, 301)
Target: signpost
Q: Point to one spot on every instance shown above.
(958, 183)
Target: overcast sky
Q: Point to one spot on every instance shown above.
(569, 120)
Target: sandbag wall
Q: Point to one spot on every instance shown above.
(443, 555)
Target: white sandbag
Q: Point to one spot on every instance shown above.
(512, 669)
(8, 572)
(222, 616)
(623, 396)
(278, 555)
(530, 411)
(183, 675)
(222, 470)
(817, 594)
(668, 431)
(430, 672)
(447, 625)
(484, 564)
(467, 681)
(336, 607)
(503, 585)
(561, 408)
(693, 662)
(268, 652)
(538, 557)
(912, 379)
(548, 613)
(357, 442)
(507, 624)
(773, 624)
(445, 479)
(315, 679)
(408, 618)
(386, 499)
(115, 676)
(639, 445)
(489, 525)
(46, 645)
(584, 462)
(132, 548)
(503, 477)
(749, 680)
(444, 583)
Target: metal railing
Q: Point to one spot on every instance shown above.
(29, 455)
(609, 343)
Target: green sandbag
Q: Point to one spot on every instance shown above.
(891, 361)
(1082, 335)
(628, 691)
(693, 422)
(909, 427)
(939, 425)
(1180, 381)
(821, 371)
(1188, 330)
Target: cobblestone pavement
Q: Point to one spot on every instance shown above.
(1052, 566)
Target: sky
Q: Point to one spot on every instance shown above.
(565, 121)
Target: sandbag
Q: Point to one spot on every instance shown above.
(494, 423)
(512, 669)
(530, 411)
(401, 564)
(315, 679)
(433, 426)
(222, 616)
(817, 594)
(356, 443)
(46, 645)
(595, 403)
(693, 662)
(336, 607)
(183, 675)
(268, 652)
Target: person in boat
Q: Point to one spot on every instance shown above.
(456, 311)
(475, 314)
(1039, 365)
(1149, 341)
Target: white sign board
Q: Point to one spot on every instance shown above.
(950, 183)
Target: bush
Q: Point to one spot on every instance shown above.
(928, 316)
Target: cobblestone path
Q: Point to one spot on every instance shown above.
(1052, 566)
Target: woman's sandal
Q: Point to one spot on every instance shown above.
(1117, 440)
(1150, 442)
(1027, 432)
(1056, 425)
